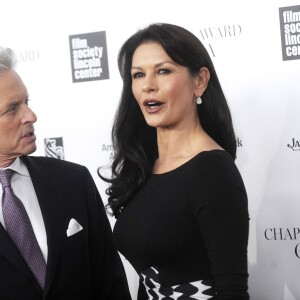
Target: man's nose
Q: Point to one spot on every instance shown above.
(29, 116)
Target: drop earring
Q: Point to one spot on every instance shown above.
(199, 100)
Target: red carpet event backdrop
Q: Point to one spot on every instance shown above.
(67, 52)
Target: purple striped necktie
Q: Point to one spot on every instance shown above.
(20, 230)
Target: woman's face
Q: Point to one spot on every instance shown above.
(164, 90)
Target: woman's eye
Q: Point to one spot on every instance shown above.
(137, 75)
(163, 71)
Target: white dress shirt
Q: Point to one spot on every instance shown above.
(23, 188)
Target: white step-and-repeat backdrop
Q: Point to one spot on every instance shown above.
(67, 54)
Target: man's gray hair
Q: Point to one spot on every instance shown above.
(7, 59)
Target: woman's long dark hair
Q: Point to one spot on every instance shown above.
(135, 142)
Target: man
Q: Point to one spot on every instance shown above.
(55, 238)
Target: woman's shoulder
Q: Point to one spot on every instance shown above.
(215, 175)
(216, 165)
(215, 158)
(202, 163)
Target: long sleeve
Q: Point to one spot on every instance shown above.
(222, 215)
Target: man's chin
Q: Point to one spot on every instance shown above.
(29, 150)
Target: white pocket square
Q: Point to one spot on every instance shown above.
(73, 227)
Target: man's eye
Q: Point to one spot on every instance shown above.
(13, 108)
(163, 71)
(137, 75)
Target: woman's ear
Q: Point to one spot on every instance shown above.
(201, 81)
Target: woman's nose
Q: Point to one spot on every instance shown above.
(149, 84)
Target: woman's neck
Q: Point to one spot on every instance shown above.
(175, 146)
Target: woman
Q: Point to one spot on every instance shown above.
(179, 200)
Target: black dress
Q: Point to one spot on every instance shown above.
(186, 231)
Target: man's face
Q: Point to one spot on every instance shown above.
(16, 118)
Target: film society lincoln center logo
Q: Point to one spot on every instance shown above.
(290, 32)
(89, 56)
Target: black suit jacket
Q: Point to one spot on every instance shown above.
(83, 266)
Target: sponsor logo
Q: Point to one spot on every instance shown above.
(89, 56)
(54, 147)
(290, 32)
(294, 145)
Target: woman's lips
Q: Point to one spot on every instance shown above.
(153, 106)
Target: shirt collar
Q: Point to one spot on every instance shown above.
(19, 167)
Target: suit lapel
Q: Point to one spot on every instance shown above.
(50, 202)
